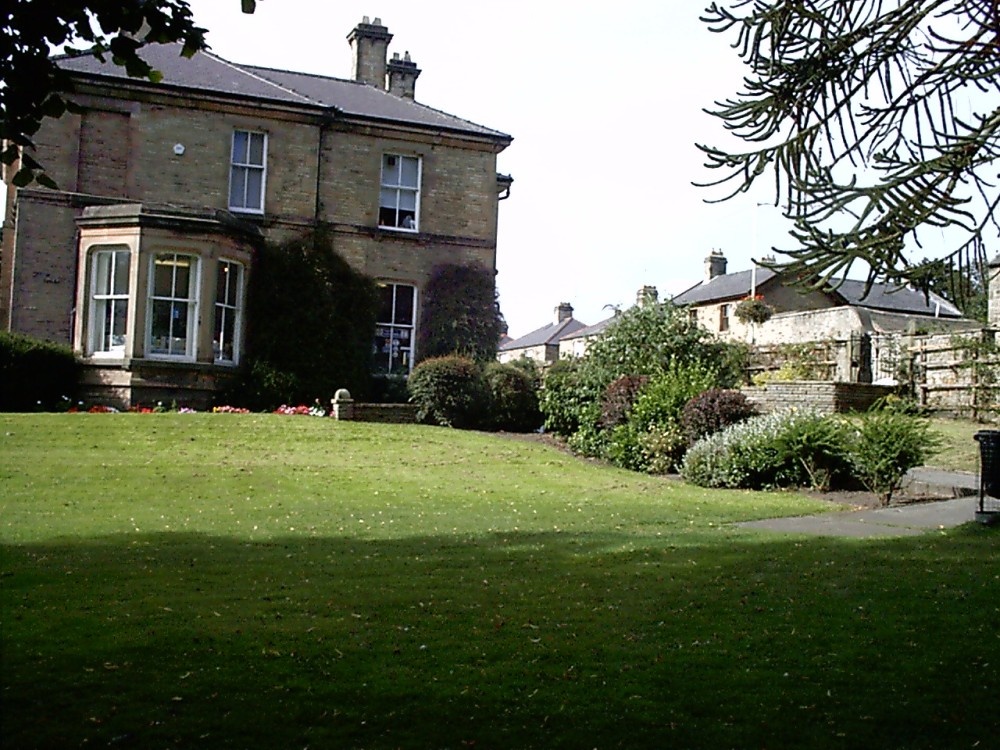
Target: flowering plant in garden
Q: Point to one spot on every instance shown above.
(754, 310)
(316, 410)
(229, 410)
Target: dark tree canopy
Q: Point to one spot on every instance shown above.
(878, 122)
(31, 83)
(460, 314)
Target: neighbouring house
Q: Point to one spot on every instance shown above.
(542, 344)
(140, 260)
(811, 315)
(576, 344)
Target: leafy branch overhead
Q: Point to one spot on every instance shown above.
(878, 122)
(33, 85)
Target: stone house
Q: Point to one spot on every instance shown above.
(811, 315)
(542, 344)
(140, 260)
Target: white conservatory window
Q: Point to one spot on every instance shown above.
(228, 312)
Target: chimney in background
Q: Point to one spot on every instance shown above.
(564, 311)
(647, 295)
(403, 75)
(715, 265)
(370, 42)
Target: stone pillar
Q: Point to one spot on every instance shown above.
(563, 311)
(342, 405)
(402, 76)
(993, 275)
(370, 42)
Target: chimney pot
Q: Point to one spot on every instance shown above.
(647, 295)
(564, 311)
(403, 74)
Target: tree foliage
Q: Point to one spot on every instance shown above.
(310, 323)
(460, 314)
(878, 122)
(33, 86)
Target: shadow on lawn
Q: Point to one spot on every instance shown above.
(513, 640)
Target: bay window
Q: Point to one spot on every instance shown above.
(109, 301)
(399, 197)
(171, 323)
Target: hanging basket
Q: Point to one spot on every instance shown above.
(754, 310)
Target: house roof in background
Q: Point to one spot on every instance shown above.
(885, 297)
(552, 333)
(723, 287)
(208, 72)
(587, 331)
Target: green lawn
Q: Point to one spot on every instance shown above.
(959, 450)
(285, 582)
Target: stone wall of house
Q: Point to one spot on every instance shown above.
(458, 200)
(824, 397)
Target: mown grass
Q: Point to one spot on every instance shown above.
(959, 450)
(272, 582)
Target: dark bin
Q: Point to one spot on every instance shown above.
(989, 461)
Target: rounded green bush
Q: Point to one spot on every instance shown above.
(36, 375)
(513, 399)
(449, 391)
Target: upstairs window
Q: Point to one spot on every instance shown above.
(228, 312)
(393, 349)
(173, 306)
(109, 301)
(399, 198)
(247, 174)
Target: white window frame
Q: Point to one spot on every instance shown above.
(387, 329)
(189, 303)
(104, 304)
(393, 193)
(240, 168)
(725, 317)
(230, 308)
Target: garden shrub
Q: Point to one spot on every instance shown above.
(652, 435)
(36, 375)
(449, 391)
(821, 445)
(513, 404)
(619, 397)
(754, 454)
(889, 443)
(567, 396)
(712, 410)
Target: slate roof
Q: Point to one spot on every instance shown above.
(593, 330)
(726, 286)
(209, 73)
(547, 334)
(885, 297)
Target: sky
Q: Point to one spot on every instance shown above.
(605, 104)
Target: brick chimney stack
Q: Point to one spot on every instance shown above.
(403, 75)
(647, 295)
(370, 42)
(715, 265)
(564, 311)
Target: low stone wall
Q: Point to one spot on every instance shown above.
(386, 413)
(826, 398)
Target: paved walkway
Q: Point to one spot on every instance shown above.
(902, 520)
